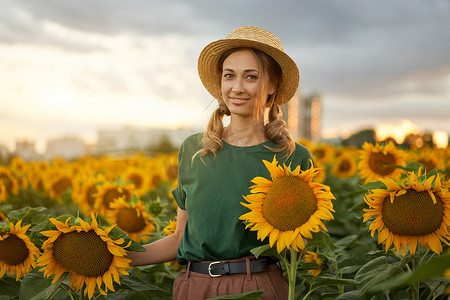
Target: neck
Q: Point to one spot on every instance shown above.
(240, 133)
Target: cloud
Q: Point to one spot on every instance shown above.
(370, 60)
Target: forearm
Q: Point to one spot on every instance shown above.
(160, 251)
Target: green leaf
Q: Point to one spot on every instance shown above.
(369, 269)
(38, 288)
(244, 296)
(321, 281)
(374, 273)
(344, 242)
(265, 250)
(374, 185)
(20, 214)
(116, 233)
(9, 287)
(411, 166)
(320, 238)
(432, 269)
(135, 284)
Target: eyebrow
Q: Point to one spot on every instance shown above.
(245, 71)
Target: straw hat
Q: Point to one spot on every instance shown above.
(249, 37)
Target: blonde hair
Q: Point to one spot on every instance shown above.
(275, 129)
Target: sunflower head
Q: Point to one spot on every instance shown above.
(17, 253)
(109, 191)
(289, 207)
(132, 218)
(313, 257)
(377, 161)
(345, 165)
(409, 212)
(87, 252)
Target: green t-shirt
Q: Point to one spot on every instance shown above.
(211, 193)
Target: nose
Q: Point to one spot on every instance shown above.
(238, 86)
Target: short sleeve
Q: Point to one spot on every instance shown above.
(178, 193)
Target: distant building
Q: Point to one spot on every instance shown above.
(66, 147)
(303, 117)
(4, 153)
(129, 139)
(26, 150)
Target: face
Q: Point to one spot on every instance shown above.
(241, 83)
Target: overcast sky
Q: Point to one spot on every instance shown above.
(74, 67)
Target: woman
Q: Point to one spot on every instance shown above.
(250, 76)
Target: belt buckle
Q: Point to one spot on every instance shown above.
(209, 269)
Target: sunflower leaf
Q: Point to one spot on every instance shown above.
(116, 233)
(266, 250)
(320, 238)
(374, 185)
(25, 212)
(411, 166)
(432, 269)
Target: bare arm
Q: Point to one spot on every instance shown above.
(162, 250)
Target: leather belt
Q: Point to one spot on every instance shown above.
(217, 268)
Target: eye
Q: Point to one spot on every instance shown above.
(227, 75)
(252, 77)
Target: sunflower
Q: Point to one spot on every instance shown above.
(10, 182)
(84, 190)
(429, 158)
(3, 217)
(171, 166)
(138, 177)
(132, 219)
(313, 257)
(17, 252)
(413, 211)
(86, 251)
(18, 166)
(345, 166)
(324, 153)
(168, 230)
(110, 191)
(376, 161)
(3, 193)
(57, 182)
(289, 207)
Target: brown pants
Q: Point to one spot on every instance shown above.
(196, 286)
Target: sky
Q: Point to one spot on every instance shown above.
(72, 68)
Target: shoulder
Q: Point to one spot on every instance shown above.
(302, 150)
(302, 156)
(192, 143)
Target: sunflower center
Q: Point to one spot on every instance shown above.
(344, 166)
(13, 250)
(137, 180)
(129, 220)
(61, 185)
(289, 203)
(379, 162)
(7, 182)
(427, 164)
(113, 194)
(82, 252)
(91, 191)
(413, 213)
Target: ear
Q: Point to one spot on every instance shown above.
(272, 88)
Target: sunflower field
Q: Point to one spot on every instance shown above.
(65, 226)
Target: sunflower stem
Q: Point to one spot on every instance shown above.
(415, 285)
(292, 273)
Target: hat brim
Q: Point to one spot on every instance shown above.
(210, 75)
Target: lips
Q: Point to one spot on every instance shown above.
(238, 101)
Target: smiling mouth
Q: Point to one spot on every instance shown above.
(238, 100)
